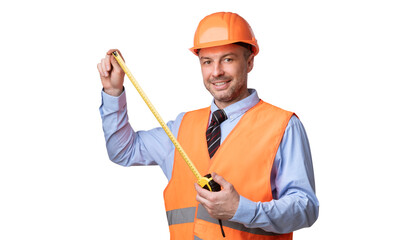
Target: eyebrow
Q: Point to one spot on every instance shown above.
(224, 55)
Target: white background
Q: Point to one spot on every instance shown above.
(347, 68)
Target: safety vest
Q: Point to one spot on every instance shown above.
(244, 159)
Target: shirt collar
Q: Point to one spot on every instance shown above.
(239, 108)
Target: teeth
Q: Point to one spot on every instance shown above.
(219, 84)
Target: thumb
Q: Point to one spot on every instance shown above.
(220, 180)
(113, 60)
(114, 63)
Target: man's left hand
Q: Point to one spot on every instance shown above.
(220, 205)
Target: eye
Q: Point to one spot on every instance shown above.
(206, 62)
(228, 60)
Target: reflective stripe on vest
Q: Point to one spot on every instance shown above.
(204, 215)
(182, 215)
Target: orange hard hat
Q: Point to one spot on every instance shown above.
(223, 28)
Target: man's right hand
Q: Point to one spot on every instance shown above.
(111, 74)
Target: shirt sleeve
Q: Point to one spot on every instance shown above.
(295, 204)
(129, 148)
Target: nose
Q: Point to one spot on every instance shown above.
(217, 70)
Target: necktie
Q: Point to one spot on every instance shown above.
(213, 131)
(213, 141)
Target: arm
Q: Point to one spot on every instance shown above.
(125, 146)
(292, 182)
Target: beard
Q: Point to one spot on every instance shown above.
(236, 90)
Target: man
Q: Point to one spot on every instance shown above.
(258, 153)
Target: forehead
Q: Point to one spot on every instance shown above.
(220, 51)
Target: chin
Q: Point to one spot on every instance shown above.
(221, 96)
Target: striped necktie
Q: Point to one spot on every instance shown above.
(213, 131)
(213, 141)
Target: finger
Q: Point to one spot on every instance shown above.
(203, 193)
(203, 201)
(104, 68)
(200, 199)
(99, 69)
(113, 50)
(114, 62)
(107, 62)
(220, 180)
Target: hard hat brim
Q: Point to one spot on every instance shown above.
(255, 48)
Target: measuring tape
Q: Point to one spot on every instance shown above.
(206, 181)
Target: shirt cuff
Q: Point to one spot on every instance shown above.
(113, 103)
(245, 212)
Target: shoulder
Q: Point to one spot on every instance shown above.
(275, 112)
(295, 129)
(295, 122)
(274, 108)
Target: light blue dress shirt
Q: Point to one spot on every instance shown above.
(295, 204)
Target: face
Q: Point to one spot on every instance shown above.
(225, 73)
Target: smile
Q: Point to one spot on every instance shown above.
(221, 82)
(220, 86)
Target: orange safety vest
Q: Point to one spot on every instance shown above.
(244, 159)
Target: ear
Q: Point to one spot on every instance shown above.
(250, 61)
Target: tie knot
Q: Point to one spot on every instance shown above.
(218, 116)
